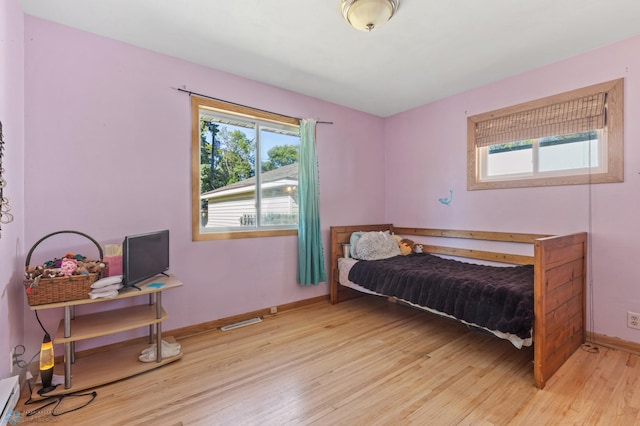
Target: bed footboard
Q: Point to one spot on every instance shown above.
(559, 302)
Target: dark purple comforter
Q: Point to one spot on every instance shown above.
(498, 298)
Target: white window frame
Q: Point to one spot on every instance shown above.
(536, 173)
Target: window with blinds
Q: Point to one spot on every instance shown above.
(570, 138)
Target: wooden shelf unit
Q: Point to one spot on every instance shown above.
(102, 323)
(110, 365)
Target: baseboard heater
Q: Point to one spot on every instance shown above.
(241, 324)
(9, 394)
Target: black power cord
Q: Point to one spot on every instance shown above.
(55, 399)
(590, 346)
(39, 322)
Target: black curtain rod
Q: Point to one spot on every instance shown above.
(244, 106)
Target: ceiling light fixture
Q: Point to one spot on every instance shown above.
(366, 15)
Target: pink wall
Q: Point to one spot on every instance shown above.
(12, 117)
(108, 153)
(426, 156)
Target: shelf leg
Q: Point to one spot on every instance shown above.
(67, 365)
(67, 321)
(158, 305)
(69, 314)
(159, 327)
(68, 346)
(151, 330)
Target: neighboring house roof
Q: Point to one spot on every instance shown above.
(285, 175)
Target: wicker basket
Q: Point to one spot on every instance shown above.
(43, 290)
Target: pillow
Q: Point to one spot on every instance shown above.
(103, 282)
(353, 241)
(376, 245)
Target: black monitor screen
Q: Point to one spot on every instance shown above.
(144, 256)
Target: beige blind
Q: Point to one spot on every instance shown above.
(572, 116)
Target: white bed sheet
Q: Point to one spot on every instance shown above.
(345, 265)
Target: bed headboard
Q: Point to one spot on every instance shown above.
(341, 235)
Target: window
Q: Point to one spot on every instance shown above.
(244, 171)
(572, 138)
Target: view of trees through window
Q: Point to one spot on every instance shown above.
(226, 156)
(248, 173)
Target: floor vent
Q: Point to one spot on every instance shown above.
(241, 324)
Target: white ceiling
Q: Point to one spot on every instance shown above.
(429, 50)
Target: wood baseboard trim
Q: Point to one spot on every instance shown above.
(614, 343)
(206, 327)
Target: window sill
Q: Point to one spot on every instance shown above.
(472, 185)
(230, 235)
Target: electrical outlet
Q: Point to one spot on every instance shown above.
(11, 361)
(274, 310)
(633, 320)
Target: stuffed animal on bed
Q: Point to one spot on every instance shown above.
(405, 245)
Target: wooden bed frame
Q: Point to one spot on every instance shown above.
(559, 283)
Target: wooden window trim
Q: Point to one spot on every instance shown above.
(224, 107)
(613, 133)
(231, 235)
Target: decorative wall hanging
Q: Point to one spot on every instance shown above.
(5, 216)
(447, 201)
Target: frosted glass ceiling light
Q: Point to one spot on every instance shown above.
(365, 15)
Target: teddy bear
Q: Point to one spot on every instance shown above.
(81, 269)
(406, 246)
(95, 266)
(89, 267)
(34, 271)
(51, 272)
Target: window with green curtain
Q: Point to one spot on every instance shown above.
(311, 266)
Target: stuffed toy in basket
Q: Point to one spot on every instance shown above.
(62, 280)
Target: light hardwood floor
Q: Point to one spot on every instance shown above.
(362, 362)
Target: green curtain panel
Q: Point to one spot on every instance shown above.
(311, 267)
